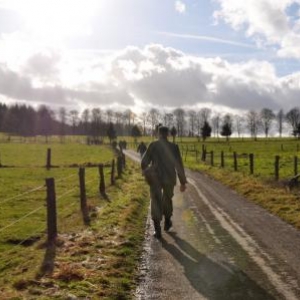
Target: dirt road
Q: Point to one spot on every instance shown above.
(221, 246)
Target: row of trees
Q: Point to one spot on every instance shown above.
(24, 120)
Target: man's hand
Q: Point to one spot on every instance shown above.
(182, 187)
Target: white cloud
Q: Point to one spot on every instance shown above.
(180, 7)
(153, 76)
(267, 21)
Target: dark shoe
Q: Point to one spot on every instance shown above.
(157, 233)
(168, 224)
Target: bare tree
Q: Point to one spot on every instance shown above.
(109, 115)
(253, 123)
(96, 120)
(85, 118)
(144, 118)
(238, 124)
(74, 119)
(45, 121)
(127, 115)
(179, 115)
(153, 119)
(267, 116)
(169, 120)
(280, 120)
(216, 120)
(192, 121)
(62, 117)
(293, 119)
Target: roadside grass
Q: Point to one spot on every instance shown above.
(98, 261)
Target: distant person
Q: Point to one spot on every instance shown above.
(164, 160)
(141, 148)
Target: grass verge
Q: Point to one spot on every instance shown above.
(99, 261)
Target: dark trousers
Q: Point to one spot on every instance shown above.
(161, 201)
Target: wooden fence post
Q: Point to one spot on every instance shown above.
(112, 174)
(83, 204)
(222, 159)
(186, 152)
(277, 158)
(51, 210)
(102, 181)
(211, 158)
(295, 165)
(119, 166)
(251, 161)
(235, 161)
(48, 162)
(203, 157)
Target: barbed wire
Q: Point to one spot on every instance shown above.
(22, 218)
(23, 194)
(65, 178)
(66, 193)
(69, 206)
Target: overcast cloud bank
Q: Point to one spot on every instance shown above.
(148, 77)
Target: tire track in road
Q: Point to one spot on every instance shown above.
(259, 256)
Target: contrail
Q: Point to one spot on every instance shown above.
(206, 38)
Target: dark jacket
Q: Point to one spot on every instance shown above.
(166, 157)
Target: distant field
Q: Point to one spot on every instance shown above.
(22, 180)
(264, 151)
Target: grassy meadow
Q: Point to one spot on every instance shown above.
(99, 260)
(261, 187)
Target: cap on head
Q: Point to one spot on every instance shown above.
(163, 131)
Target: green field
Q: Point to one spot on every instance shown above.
(276, 195)
(100, 260)
(83, 261)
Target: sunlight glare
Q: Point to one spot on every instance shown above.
(59, 18)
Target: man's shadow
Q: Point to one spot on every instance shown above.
(217, 281)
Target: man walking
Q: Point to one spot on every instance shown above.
(165, 158)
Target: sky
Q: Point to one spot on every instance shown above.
(228, 55)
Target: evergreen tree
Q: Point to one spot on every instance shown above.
(205, 131)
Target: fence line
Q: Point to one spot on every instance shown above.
(94, 179)
(69, 206)
(293, 161)
(25, 193)
(65, 178)
(22, 218)
(66, 193)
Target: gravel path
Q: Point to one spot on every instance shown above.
(221, 246)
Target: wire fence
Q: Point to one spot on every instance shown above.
(50, 203)
(265, 165)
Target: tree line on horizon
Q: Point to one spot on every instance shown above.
(26, 121)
